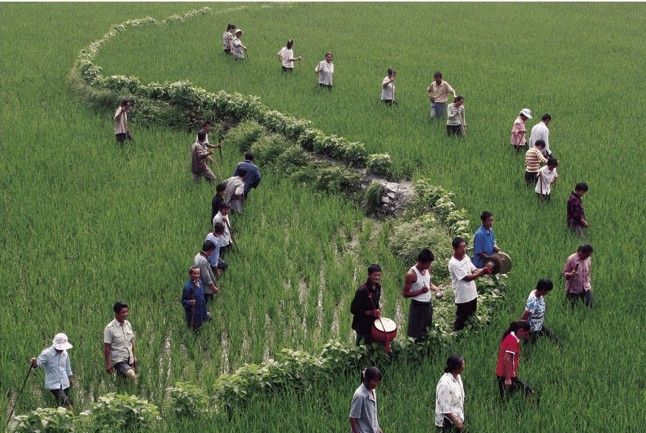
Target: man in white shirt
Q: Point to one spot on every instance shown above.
(438, 94)
(58, 370)
(540, 131)
(234, 192)
(388, 87)
(325, 71)
(286, 57)
(463, 276)
(119, 344)
(121, 131)
(223, 217)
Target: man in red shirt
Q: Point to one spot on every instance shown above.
(509, 359)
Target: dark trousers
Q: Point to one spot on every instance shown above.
(516, 385)
(454, 130)
(586, 297)
(365, 338)
(543, 332)
(464, 311)
(530, 178)
(420, 319)
(449, 427)
(62, 397)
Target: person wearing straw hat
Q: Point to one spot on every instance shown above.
(58, 370)
(519, 130)
(238, 49)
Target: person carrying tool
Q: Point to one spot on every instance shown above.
(58, 370)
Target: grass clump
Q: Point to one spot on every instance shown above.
(244, 135)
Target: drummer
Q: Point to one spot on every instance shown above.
(484, 240)
(418, 287)
(365, 305)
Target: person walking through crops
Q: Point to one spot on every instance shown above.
(365, 305)
(576, 220)
(578, 284)
(456, 122)
(484, 240)
(325, 71)
(533, 160)
(535, 310)
(121, 130)
(418, 287)
(200, 156)
(227, 38)
(119, 344)
(193, 300)
(546, 177)
(509, 359)
(449, 397)
(519, 130)
(287, 58)
(238, 49)
(463, 276)
(216, 236)
(201, 261)
(363, 408)
(251, 177)
(223, 217)
(58, 370)
(217, 200)
(234, 194)
(388, 87)
(540, 131)
(438, 94)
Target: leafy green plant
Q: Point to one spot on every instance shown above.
(186, 400)
(119, 412)
(372, 195)
(244, 135)
(45, 420)
(380, 164)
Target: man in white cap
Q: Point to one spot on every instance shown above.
(58, 370)
(119, 344)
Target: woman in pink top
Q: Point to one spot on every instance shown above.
(518, 131)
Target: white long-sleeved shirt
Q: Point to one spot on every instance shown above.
(449, 398)
(540, 131)
(57, 367)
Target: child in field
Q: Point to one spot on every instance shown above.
(388, 87)
(227, 38)
(545, 178)
(533, 160)
(286, 57)
(576, 219)
(519, 131)
(325, 71)
(535, 311)
(456, 122)
(238, 49)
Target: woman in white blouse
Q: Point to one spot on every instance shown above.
(449, 397)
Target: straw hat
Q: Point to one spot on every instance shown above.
(61, 342)
(526, 112)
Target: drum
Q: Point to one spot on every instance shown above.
(384, 330)
(500, 262)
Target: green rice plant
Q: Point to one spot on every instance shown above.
(373, 195)
(380, 165)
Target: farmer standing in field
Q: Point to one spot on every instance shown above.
(238, 49)
(199, 159)
(578, 285)
(251, 177)
(438, 94)
(325, 71)
(58, 370)
(365, 305)
(217, 237)
(193, 300)
(223, 217)
(217, 200)
(449, 397)
(576, 219)
(456, 122)
(227, 38)
(234, 194)
(388, 87)
(509, 359)
(533, 160)
(463, 276)
(286, 57)
(121, 130)
(540, 131)
(363, 408)
(119, 344)
(201, 261)
(519, 130)
(546, 177)
(535, 310)
(484, 240)
(418, 287)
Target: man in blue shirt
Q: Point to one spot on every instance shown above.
(252, 176)
(193, 300)
(484, 240)
(58, 371)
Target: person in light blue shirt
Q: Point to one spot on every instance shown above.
(251, 177)
(484, 240)
(58, 370)
(363, 409)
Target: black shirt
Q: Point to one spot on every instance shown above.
(215, 206)
(365, 298)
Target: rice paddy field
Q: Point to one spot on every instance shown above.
(85, 223)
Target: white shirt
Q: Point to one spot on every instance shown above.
(226, 236)
(235, 188)
(540, 131)
(455, 114)
(325, 71)
(120, 122)
(120, 338)
(449, 398)
(236, 48)
(465, 291)
(285, 57)
(57, 368)
(422, 281)
(545, 179)
(388, 92)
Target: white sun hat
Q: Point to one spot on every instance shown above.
(60, 342)
(526, 112)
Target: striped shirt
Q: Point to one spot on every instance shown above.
(533, 160)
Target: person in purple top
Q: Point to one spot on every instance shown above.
(252, 176)
(576, 220)
(484, 240)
